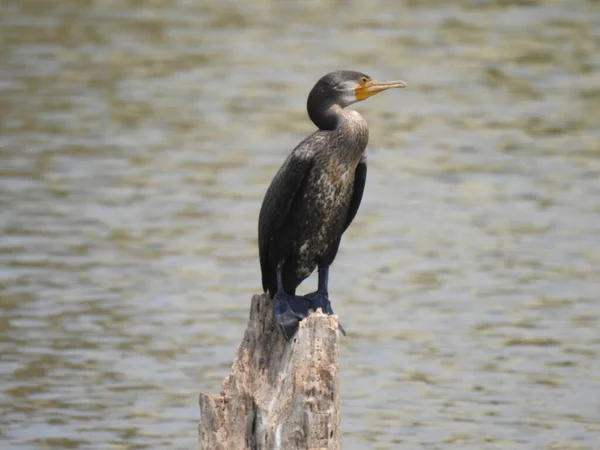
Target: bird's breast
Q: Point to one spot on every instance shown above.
(331, 187)
(325, 207)
(340, 175)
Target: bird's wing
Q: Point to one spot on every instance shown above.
(360, 178)
(276, 207)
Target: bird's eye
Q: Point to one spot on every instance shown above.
(363, 80)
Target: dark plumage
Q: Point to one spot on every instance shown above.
(316, 193)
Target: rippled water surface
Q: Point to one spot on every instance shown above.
(138, 137)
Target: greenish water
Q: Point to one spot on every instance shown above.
(136, 142)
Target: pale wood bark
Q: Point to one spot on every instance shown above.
(280, 395)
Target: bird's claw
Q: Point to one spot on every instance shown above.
(288, 311)
(321, 300)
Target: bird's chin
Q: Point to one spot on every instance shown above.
(349, 98)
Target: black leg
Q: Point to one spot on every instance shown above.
(288, 310)
(323, 279)
(320, 298)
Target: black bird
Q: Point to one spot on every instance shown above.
(315, 196)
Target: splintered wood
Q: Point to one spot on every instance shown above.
(280, 395)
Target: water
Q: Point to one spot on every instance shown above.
(137, 140)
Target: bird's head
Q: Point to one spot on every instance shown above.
(340, 89)
(345, 87)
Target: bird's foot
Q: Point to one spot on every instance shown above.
(321, 300)
(289, 310)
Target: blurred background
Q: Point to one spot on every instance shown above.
(137, 140)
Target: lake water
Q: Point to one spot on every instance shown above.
(137, 139)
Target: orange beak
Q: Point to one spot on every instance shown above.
(372, 87)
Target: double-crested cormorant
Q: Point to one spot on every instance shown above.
(315, 196)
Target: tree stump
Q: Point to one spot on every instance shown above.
(280, 395)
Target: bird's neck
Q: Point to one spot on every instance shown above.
(350, 137)
(334, 118)
(325, 117)
(352, 125)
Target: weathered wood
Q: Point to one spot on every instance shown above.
(280, 395)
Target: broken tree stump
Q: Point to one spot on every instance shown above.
(280, 395)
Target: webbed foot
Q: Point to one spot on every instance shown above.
(289, 310)
(320, 300)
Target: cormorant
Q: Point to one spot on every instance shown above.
(315, 196)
